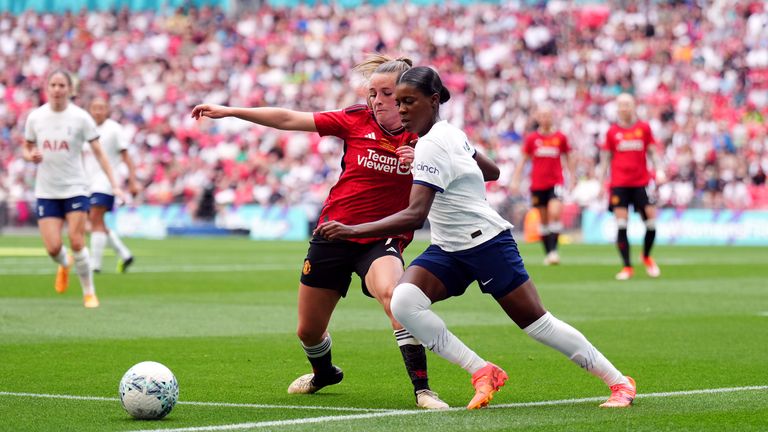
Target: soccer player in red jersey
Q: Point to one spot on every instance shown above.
(628, 143)
(545, 147)
(375, 182)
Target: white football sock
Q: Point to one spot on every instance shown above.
(84, 271)
(98, 241)
(554, 333)
(118, 245)
(410, 307)
(404, 337)
(555, 227)
(320, 349)
(61, 258)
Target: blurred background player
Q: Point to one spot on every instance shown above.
(115, 148)
(627, 145)
(545, 147)
(373, 184)
(55, 134)
(470, 241)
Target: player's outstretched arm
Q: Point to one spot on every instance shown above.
(489, 168)
(277, 118)
(401, 222)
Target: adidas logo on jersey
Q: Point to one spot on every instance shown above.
(371, 135)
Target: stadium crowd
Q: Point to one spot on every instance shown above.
(700, 77)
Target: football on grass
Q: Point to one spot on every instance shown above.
(149, 391)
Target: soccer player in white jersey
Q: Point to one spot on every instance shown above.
(115, 147)
(54, 135)
(470, 242)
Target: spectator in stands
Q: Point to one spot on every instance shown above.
(716, 75)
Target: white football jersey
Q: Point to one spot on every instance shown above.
(461, 217)
(112, 140)
(60, 137)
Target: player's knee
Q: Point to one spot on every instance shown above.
(97, 225)
(309, 335)
(77, 243)
(53, 250)
(384, 296)
(407, 301)
(650, 224)
(622, 223)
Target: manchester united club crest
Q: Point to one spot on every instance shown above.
(307, 267)
(384, 143)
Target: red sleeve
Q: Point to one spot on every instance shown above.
(528, 145)
(609, 145)
(337, 123)
(649, 139)
(564, 146)
(648, 133)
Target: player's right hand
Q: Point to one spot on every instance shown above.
(209, 110)
(333, 230)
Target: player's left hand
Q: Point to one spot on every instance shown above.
(334, 230)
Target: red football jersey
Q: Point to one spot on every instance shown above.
(373, 184)
(545, 152)
(628, 147)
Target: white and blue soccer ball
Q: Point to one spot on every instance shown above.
(149, 391)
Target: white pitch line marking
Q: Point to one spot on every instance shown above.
(202, 268)
(211, 404)
(302, 421)
(324, 419)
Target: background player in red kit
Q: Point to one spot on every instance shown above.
(545, 147)
(627, 145)
(375, 182)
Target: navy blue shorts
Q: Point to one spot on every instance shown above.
(103, 200)
(59, 207)
(496, 265)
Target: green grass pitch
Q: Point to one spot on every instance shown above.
(221, 313)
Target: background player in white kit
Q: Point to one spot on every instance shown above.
(115, 148)
(54, 135)
(470, 242)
